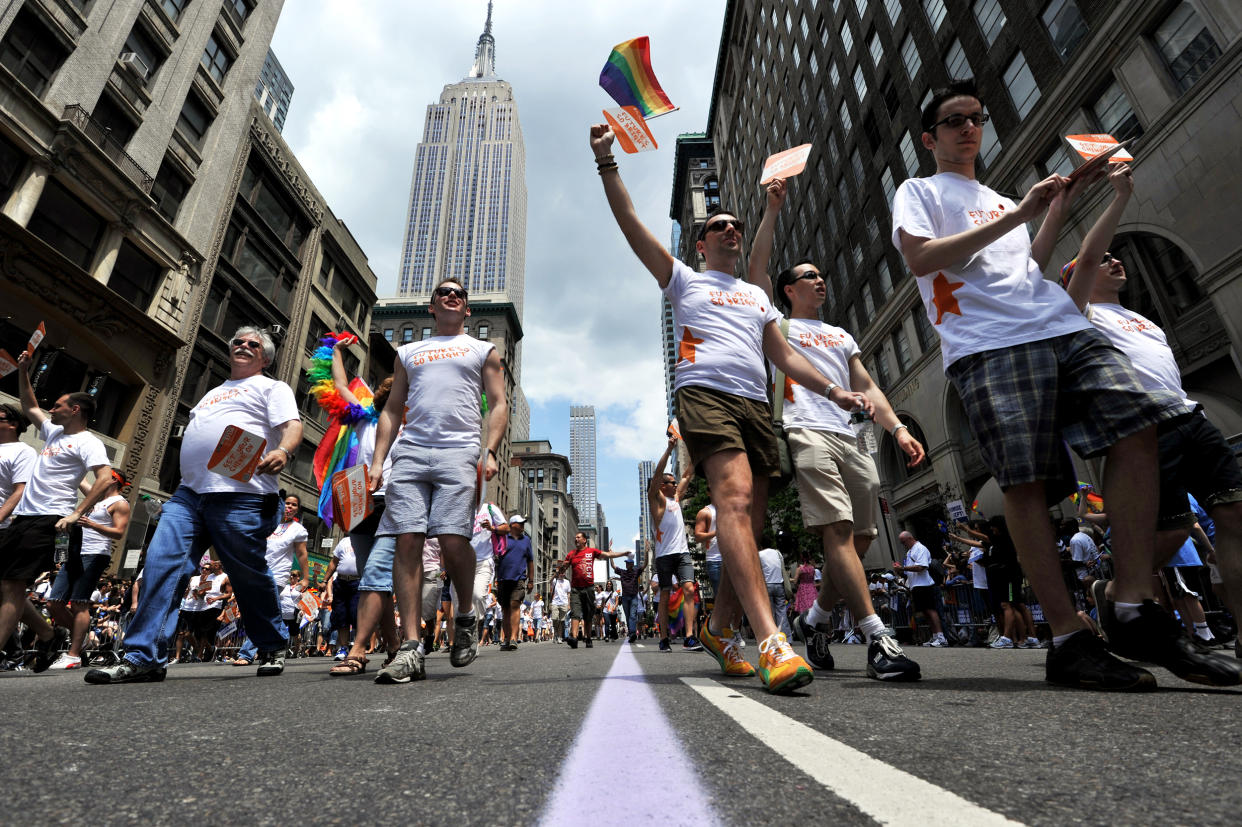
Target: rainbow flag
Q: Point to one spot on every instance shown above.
(1095, 503)
(338, 449)
(628, 79)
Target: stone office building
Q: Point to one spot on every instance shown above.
(851, 77)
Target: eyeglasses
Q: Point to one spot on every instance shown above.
(809, 275)
(957, 120)
(1108, 259)
(250, 343)
(445, 292)
(719, 226)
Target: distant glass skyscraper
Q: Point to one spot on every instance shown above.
(646, 470)
(582, 460)
(274, 90)
(467, 210)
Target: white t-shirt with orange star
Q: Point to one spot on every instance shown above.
(996, 298)
(718, 325)
(829, 349)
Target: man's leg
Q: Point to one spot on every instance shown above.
(239, 528)
(13, 604)
(407, 582)
(844, 577)
(370, 606)
(1228, 519)
(689, 590)
(80, 623)
(662, 621)
(1129, 477)
(1026, 514)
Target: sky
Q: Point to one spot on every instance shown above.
(364, 72)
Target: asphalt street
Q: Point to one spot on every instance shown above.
(618, 735)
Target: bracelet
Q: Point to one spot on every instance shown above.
(602, 159)
(288, 453)
(492, 453)
(609, 167)
(831, 387)
(898, 427)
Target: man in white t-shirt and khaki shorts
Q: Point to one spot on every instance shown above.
(724, 328)
(1032, 374)
(49, 505)
(436, 389)
(672, 552)
(233, 516)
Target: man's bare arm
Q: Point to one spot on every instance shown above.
(761, 246)
(642, 241)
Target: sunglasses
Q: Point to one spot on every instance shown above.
(253, 345)
(1108, 259)
(719, 226)
(809, 275)
(958, 120)
(445, 292)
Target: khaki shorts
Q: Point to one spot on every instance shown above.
(836, 481)
(559, 612)
(712, 421)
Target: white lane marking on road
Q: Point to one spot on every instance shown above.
(883, 792)
(660, 780)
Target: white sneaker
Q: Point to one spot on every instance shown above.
(738, 640)
(938, 641)
(66, 661)
(1002, 642)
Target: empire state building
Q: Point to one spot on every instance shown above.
(467, 210)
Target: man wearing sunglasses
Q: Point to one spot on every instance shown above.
(209, 509)
(725, 328)
(431, 485)
(49, 505)
(1032, 375)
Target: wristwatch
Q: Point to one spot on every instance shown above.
(831, 387)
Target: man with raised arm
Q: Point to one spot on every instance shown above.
(672, 552)
(724, 328)
(1032, 374)
(1194, 455)
(436, 389)
(233, 516)
(838, 485)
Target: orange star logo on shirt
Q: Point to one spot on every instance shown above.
(685, 349)
(943, 296)
(789, 383)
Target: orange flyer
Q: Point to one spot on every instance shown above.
(35, 339)
(1089, 146)
(631, 130)
(351, 501)
(673, 430)
(785, 164)
(7, 363)
(237, 453)
(309, 605)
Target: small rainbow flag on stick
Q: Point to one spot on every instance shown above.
(628, 79)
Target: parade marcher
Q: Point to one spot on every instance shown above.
(17, 460)
(1033, 374)
(924, 593)
(233, 516)
(581, 563)
(515, 575)
(631, 600)
(724, 328)
(342, 594)
(283, 545)
(560, 606)
(49, 507)
(705, 535)
(838, 484)
(672, 553)
(437, 384)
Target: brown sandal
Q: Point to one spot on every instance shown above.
(349, 666)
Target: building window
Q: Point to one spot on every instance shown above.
(216, 60)
(169, 189)
(31, 52)
(1065, 25)
(260, 190)
(884, 277)
(910, 57)
(195, 119)
(881, 372)
(66, 224)
(174, 8)
(812, 61)
(955, 61)
(258, 263)
(990, 17)
(1023, 90)
(115, 120)
(923, 329)
(407, 335)
(901, 346)
(483, 330)
(893, 9)
(1156, 264)
(388, 334)
(860, 83)
(135, 277)
(847, 38)
(877, 50)
(847, 123)
(804, 27)
(142, 44)
(908, 155)
(834, 75)
(989, 143)
(243, 8)
(1187, 46)
(935, 13)
(1056, 160)
(1114, 114)
(426, 333)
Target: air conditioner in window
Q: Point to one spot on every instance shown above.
(131, 61)
(178, 431)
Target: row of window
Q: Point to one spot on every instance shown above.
(406, 335)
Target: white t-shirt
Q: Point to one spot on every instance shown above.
(191, 602)
(445, 376)
(536, 608)
(366, 450)
(713, 548)
(257, 404)
(977, 572)
(560, 591)
(829, 349)
(216, 590)
(1144, 342)
(346, 565)
(718, 325)
(995, 298)
(918, 555)
(92, 541)
(280, 545)
(773, 565)
(289, 597)
(61, 465)
(1082, 548)
(17, 461)
(671, 532)
(481, 538)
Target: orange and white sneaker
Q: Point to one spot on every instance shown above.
(780, 668)
(723, 648)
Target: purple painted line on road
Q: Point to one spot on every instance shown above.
(660, 787)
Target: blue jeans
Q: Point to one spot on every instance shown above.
(633, 606)
(776, 596)
(237, 526)
(713, 575)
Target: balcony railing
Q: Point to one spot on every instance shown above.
(101, 136)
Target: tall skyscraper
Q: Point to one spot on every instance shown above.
(582, 459)
(646, 532)
(467, 209)
(274, 90)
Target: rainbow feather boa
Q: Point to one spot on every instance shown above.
(338, 449)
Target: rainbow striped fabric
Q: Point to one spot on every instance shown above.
(338, 449)
(628, 79)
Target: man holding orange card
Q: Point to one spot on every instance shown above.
(235, 514)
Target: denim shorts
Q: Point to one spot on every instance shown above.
(373, 554)
(76, 580)
(668, 565)
(430, 491)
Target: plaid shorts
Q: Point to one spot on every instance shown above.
(1025, 402)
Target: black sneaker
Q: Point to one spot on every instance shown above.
(588, 643)
(572, 641)
(45, 650)
(887, 662)
(1083, 662)
(465, 647)
(632, 639)
(665, 646)
(126, 672)
(817, 653)
(271, 663)
(1155, 637)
